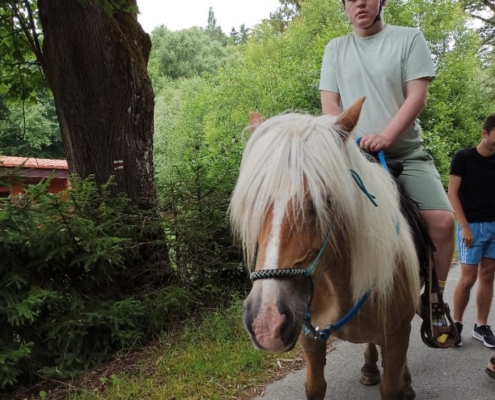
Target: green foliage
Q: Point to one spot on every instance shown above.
(208, 358)
(21, 58)
(213, 30)
(199, 122)
(281, 17)
(168, 304)
(198, 141)
(20, 50)
(241, 36)
(185, 54)
(76, 280)
(193, 182)
(30, 130)
(484, 13)
(457, 104)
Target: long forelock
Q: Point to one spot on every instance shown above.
(292, 155)
(287, 158)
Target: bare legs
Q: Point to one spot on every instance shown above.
(469, 273)
(440, 225)
(484, 295)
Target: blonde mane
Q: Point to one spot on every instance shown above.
(292, 155)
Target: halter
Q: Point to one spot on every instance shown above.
(309, 329)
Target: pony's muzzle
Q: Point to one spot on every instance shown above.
(272, 326)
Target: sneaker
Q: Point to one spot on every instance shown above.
(484, 334)
(458, 339)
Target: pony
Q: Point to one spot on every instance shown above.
(322, 228)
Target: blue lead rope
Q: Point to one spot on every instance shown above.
(383, 163)
(309, 329)
(324, 334)
(381, 156)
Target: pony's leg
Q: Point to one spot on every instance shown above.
(394, 360)
(315, 352)
(409, 393)
(370, 374)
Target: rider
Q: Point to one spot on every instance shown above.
(392, 67)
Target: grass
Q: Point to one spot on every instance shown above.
(209, 359)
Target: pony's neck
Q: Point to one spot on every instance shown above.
(334, 285)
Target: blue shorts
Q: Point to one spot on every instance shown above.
(484, 243)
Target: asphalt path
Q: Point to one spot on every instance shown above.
(445, 374)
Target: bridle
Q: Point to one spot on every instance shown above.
(309, 329)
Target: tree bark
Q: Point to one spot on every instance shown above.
(96, 66)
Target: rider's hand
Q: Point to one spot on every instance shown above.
(374, 143)
(467, 236)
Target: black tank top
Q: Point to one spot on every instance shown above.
(477, 190)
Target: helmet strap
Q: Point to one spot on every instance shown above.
(378, 16)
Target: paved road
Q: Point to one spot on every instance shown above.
(450, 374)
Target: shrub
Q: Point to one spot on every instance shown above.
(73, 270)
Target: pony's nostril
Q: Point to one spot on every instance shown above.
(288, 328)
(285, 324)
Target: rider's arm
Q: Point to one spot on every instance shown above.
(416, 94)
(330, 103)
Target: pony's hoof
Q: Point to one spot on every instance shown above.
(370, 379)
(409, 394)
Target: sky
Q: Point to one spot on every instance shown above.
(181, 14)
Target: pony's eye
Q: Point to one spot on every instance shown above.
(310, 210)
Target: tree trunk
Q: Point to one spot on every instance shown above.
(95, 63)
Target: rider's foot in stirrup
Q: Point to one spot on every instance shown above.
(438, 317)
(440, 320)
(444, 336)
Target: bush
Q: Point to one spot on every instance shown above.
(74, 268)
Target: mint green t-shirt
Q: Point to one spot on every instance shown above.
(378, 67)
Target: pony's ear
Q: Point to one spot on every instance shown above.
(349, 118)
(255, 120)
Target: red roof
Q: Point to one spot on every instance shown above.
(42, 163)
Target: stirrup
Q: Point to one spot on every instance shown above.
(432, 305)
(429, 332)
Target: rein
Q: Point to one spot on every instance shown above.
(309, 329)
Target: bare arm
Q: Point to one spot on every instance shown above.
(330, 103)
(416, 94)
(453, 193)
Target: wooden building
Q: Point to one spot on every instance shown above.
(34, 170)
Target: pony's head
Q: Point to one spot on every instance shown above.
(294, 193)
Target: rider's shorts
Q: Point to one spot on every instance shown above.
(484, 243)
(422, 182)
